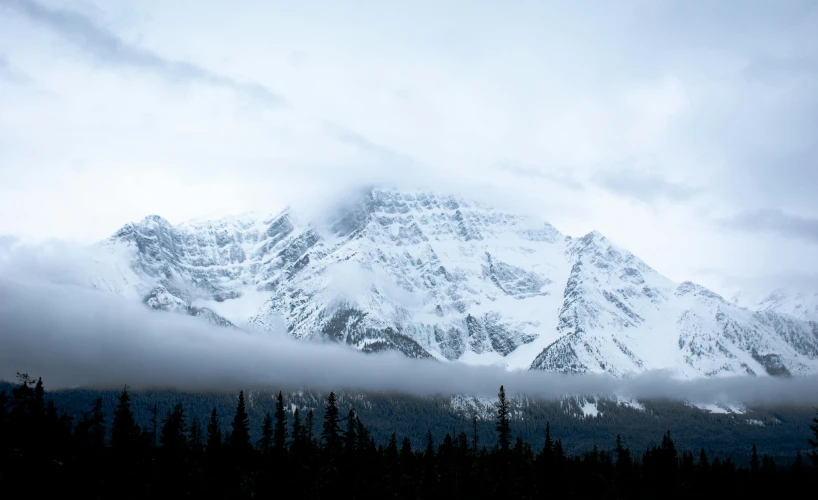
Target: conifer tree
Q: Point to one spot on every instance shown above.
(475, 436)
(813, 442)
(124, 430)
(38, 406)
(214, 436)
(298, 432)
(309, 426)
(363, 436)
(704, 463)
(754, 461)
(429, 454)
(90, 431)
(22, 396)
(280, 434)
(406, 451)
(155, 424)
(548, 445)
(331, 430)
(174, 433)
(265, 444)
(502, 424)
(239, 442)
(351, 434)
(391, 452)
(196, 440)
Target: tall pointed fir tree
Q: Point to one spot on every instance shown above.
(155, 424)
(213, 446)
(813, 442)
(265, 444)
(124, 430)
(298, 432)
(196, 440)
(174, 437)
(475, 436)
(239, 443)
(351, 434)
(280, 433)
(309, 429)
(331, 430)
(502, 423)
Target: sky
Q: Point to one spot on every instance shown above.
(686, 132)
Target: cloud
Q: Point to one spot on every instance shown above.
(777, 222)
(644, 187)
(108, 48)
(11, 74)
(73, 336)
(563, 178)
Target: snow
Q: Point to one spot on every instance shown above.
(464, 282)
(589, 409)
(721, 408)
(237, 310)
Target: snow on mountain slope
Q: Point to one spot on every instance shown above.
(437, 276)
(799, 305)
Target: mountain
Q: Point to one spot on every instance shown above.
(800, 305)
(436, 276)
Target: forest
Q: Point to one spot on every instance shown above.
(46, 451)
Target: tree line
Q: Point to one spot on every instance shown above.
(43, 452)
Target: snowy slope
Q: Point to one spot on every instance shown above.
(436, 276)
(799, 305)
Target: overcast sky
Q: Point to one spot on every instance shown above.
(687, 132)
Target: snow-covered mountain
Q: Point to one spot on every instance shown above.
(437, 276)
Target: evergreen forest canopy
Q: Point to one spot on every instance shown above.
(334, 455)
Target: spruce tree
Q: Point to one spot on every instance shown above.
(813, 454)
(502, 424)
(214, 435)
(280, 434)
(265, 444)
(331, 430)
(406, 451)
(475, 436)
(174, 433)
(298, 432)
(754, 462)
(239, 443)
(391, 452)
(196, 440)
(124, 431)
(155, 424)
(90, 431)
(351, 434)
(548, 445)
(309, 426)
(38, 406)
(364, 438)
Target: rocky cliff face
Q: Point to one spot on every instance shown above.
(436, 276)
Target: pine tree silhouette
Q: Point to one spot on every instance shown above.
(280, 434)
(331, 430)
(124, 430)
(813, 442)
(351, 433)
(265, 444)
(239, 443)
(502, 423)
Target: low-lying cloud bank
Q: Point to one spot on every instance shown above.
(72, 336)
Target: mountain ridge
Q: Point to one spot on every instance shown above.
(442, 277)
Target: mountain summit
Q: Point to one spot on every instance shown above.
(440, 277)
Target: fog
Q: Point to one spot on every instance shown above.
(72, 336)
